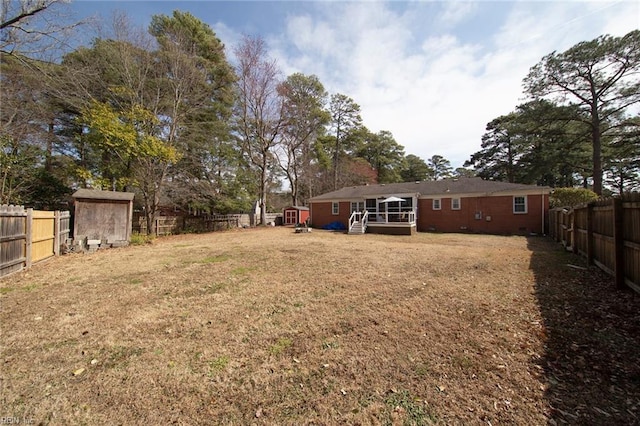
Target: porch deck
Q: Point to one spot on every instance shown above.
(391, 223)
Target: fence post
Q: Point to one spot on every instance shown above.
(589, 234)
(56, 233)
(29, 232)
(618, 241)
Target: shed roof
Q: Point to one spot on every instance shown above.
(96, 194)
(297, 208)
(424, 188)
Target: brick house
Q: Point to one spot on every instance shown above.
(450, 205)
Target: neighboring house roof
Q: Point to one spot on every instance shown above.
(96, 194)
(425, 188)
(297, 208)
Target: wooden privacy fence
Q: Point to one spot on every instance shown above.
(606, 232)
(29, 236)
(167, 225)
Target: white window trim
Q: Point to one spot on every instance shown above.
(459, 204)
(335, 208)
(526, 204)
(433, 204)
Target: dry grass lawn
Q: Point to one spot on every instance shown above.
(265, 326)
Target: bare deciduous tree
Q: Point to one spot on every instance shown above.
(259, 109)
(34, 27)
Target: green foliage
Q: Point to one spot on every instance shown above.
(415, 169)
(569, 197)
(129, 132)
(50, 192)
(439, 167)
(601, 77)
(462, 172)
(305, 116)
(622, 157)
(382, 152)
(280, 346)
(411, 410)
(218, 364)
(539, 143)
(345, 119)
(138, 239)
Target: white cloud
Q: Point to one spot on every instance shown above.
(456, 12)
(435, 88)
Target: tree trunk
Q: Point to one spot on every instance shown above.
(263, 194)
(336, 156)
(48, 165)
(597, 153)
(510, 177)
(294, 193)
(597, 144)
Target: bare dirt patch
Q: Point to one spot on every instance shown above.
(267, 326)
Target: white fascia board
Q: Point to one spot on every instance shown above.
(504, 193)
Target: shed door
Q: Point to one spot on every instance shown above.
(290, 217)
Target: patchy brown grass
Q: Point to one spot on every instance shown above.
(267, 326)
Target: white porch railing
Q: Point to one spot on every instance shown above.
(408, 217)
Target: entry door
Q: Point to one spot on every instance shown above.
(290, 217)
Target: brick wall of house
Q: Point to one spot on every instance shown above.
(498, 208)
(321, 213)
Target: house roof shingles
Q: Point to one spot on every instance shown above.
(424, 188)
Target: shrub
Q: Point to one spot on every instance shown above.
(138, 239)
(569, 197)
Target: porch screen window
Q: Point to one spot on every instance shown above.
(335, 208)
(520, 204)
(436, 204)
(357, 206)
(372, 206)
(455, 204)
(408, 204)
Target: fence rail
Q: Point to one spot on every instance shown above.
(606, 232)
(29, 236)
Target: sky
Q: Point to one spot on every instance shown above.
(433, 73)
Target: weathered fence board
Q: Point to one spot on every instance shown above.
(606, 232)
(28, 236)
(13, 239)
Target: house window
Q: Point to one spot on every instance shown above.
(519, 204)
(455, 204)
(436, 204)
(357, 206)
(335, 208)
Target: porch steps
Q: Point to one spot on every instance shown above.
(357, 228)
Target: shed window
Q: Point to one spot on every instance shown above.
(436, 204)
(335, 208)
(519, 204)
(455, 204)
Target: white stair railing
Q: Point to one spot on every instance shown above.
(365, 221)
(358, 219)
(353, 220)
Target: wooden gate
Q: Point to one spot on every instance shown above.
(43, 235)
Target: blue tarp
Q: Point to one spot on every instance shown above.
(335, 226)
